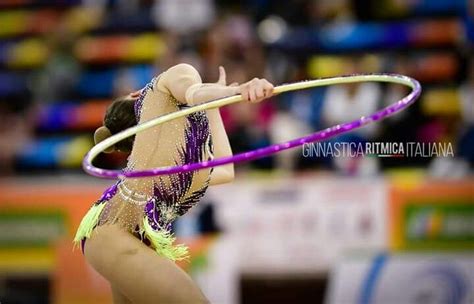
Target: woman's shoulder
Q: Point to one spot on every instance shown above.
(156, 97)
(178, 79)
(175, 73)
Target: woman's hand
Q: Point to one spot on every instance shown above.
(135, 94)
(254, 90)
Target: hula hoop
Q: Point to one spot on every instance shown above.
(261, 152)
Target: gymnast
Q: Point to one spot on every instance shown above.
(126, 235)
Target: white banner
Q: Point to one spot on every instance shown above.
(300, 225)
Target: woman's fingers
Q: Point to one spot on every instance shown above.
(222, 76)
(259, 91)
(268, 89)
(135, 94)
(244, 91)
(256, 90)
(252, 93)
(263, 89)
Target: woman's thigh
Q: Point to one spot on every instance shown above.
(118, 297)
(137, 271)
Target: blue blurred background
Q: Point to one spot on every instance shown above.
(297, 229)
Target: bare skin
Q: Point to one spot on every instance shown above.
(136, 273)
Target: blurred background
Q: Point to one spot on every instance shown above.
(291, 228)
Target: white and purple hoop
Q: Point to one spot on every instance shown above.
(261, 152)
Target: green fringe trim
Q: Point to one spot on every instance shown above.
(88, 223)
(162, 241)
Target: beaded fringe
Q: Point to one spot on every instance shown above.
(162, 241)
(88, 223)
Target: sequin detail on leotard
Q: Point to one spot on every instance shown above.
(149, 213)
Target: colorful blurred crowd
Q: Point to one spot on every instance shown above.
(63, 61)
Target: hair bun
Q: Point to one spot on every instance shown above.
(101, 134)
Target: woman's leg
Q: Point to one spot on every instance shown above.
(119, 297)
(137, 271)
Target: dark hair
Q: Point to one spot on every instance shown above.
(120, 115)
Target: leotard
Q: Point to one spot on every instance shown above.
(147, 207)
